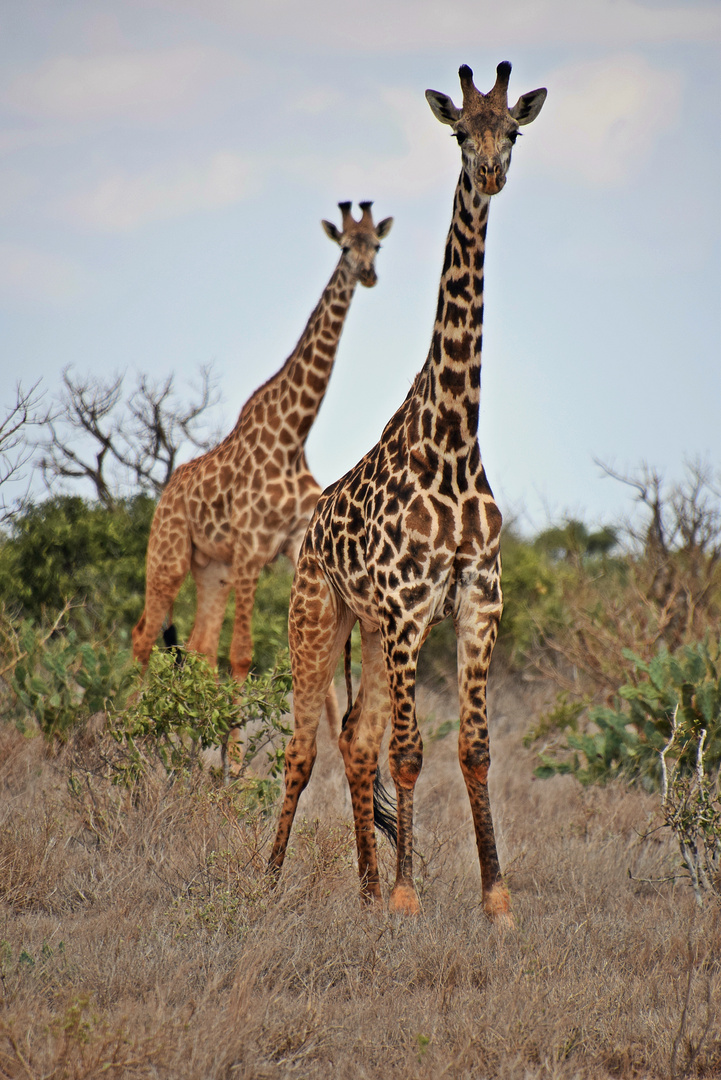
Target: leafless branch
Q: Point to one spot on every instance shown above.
(15, 447)
(161, 427)
(109, 441)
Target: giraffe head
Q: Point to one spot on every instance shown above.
(485, 127)
(359, 241)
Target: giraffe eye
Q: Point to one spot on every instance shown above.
(460, 135)
(512, 136)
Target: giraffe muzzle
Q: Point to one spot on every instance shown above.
(490, 179)
(368, 278)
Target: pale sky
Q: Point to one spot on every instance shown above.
(164, 166)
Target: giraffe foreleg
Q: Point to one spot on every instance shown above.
(359, 743)
(245, 582)
(477, 628)
(332, 712)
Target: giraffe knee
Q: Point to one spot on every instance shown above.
(240, 667)
(475, 763)
(299, 761)
(406, 768)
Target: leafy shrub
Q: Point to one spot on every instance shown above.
(270, 614)
(630, 736)
(67, 548)
(186, 707)
(662, 591)
(531, 584)
(59, 681)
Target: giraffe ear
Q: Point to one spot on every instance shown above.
(528, 106)
(442, 107)
(332, 231)
(384, 227)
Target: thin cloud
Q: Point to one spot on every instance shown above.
(408, 25)
(604, 118)
(133, 85)
(29, 276)
(122, 202)
(415, 168)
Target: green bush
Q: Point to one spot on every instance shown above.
(629, 737)
(186, 707)
(59, 681)
(67, 548)
(270, 614)
(531, 595)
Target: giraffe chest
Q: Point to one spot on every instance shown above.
(401, 546)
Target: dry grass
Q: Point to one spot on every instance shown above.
(139, 938)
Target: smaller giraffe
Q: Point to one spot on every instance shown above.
(228, 513)
(409, 537)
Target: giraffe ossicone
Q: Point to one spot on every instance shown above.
(411, 536)
(228, 513)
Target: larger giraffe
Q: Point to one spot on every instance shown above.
(228, 513)
(410, 536)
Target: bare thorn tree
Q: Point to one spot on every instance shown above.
(16, 448)
(86, 409)
(680, 541)
(687, 517)
(665, 592)
(161, 427)
(112, 442)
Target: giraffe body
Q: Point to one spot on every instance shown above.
(228, 513)
(409, 537)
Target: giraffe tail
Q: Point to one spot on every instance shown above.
(348, 684)
(385, 813)
(170, 639)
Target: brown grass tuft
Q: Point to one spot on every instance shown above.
(140, 937)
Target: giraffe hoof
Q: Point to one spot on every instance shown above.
(403, 899)
(497, 906)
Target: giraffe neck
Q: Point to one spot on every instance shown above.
(296, 392)
(449, 386)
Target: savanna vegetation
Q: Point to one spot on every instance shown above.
(140, 935)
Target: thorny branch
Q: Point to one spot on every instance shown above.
(693, 814)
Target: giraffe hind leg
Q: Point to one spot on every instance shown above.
(158, 601)
(317, 630)
(360, 743)
(405, 750)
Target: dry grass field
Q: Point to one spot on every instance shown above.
(139, 938)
